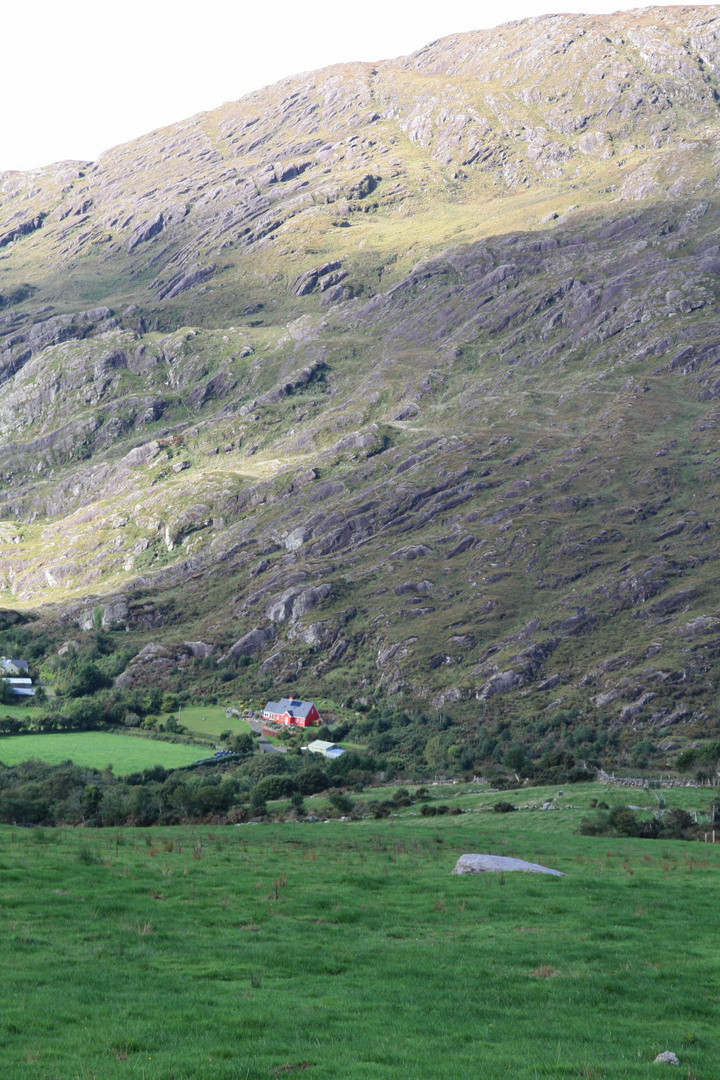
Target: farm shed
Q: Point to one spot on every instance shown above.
(327, 749)
(24, 687)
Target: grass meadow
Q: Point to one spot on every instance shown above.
(96, 749)
(348, 950)
(211, 720)
(20, 712)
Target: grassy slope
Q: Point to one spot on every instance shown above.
(177, 959)
(95, 749)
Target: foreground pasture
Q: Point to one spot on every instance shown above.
(348, 950)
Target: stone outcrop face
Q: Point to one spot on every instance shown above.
(253, 641)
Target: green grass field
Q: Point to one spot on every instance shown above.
(211, 720)
(96, 749)
(348, 950)
(21, 712)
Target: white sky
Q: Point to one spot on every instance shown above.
(80, 76)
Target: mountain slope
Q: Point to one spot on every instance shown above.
(398, 374)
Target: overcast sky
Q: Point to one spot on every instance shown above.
(80, 76)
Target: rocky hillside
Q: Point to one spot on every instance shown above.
(399, 374)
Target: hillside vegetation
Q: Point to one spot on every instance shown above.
(392, 384)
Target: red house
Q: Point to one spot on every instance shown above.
(289, 711)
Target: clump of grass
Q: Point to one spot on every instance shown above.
(256, 980)
(87, 855)
(288, 1068)
(544, 971)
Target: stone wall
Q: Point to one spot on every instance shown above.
(639, 782)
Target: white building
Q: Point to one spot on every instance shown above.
(15, 672)
(327, 749)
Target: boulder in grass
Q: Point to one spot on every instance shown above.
(667, 1058)
(498, 864)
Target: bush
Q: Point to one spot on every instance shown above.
(427, 810)
(597, 826)
(623, 821)
(81, 713)
(686, 760)
(86, 680)
(341, 802)
(312, 780)
(677, 821)
(275, 787)
(7, 694)
(504, 807)
(516, 759)
(260, 765)
(242, 743)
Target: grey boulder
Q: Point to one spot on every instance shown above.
(498, 864)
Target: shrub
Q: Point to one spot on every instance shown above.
(312, 780)
(81, 713)
(7, 694)
(623, 820)
(341, 802)
(516, 759)
(597, 826)
(86, 680)
(686, 760)
(260, 765)
(677, 821)
(274, 787)
(242, 743)
(504, 807)
(427, 810)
